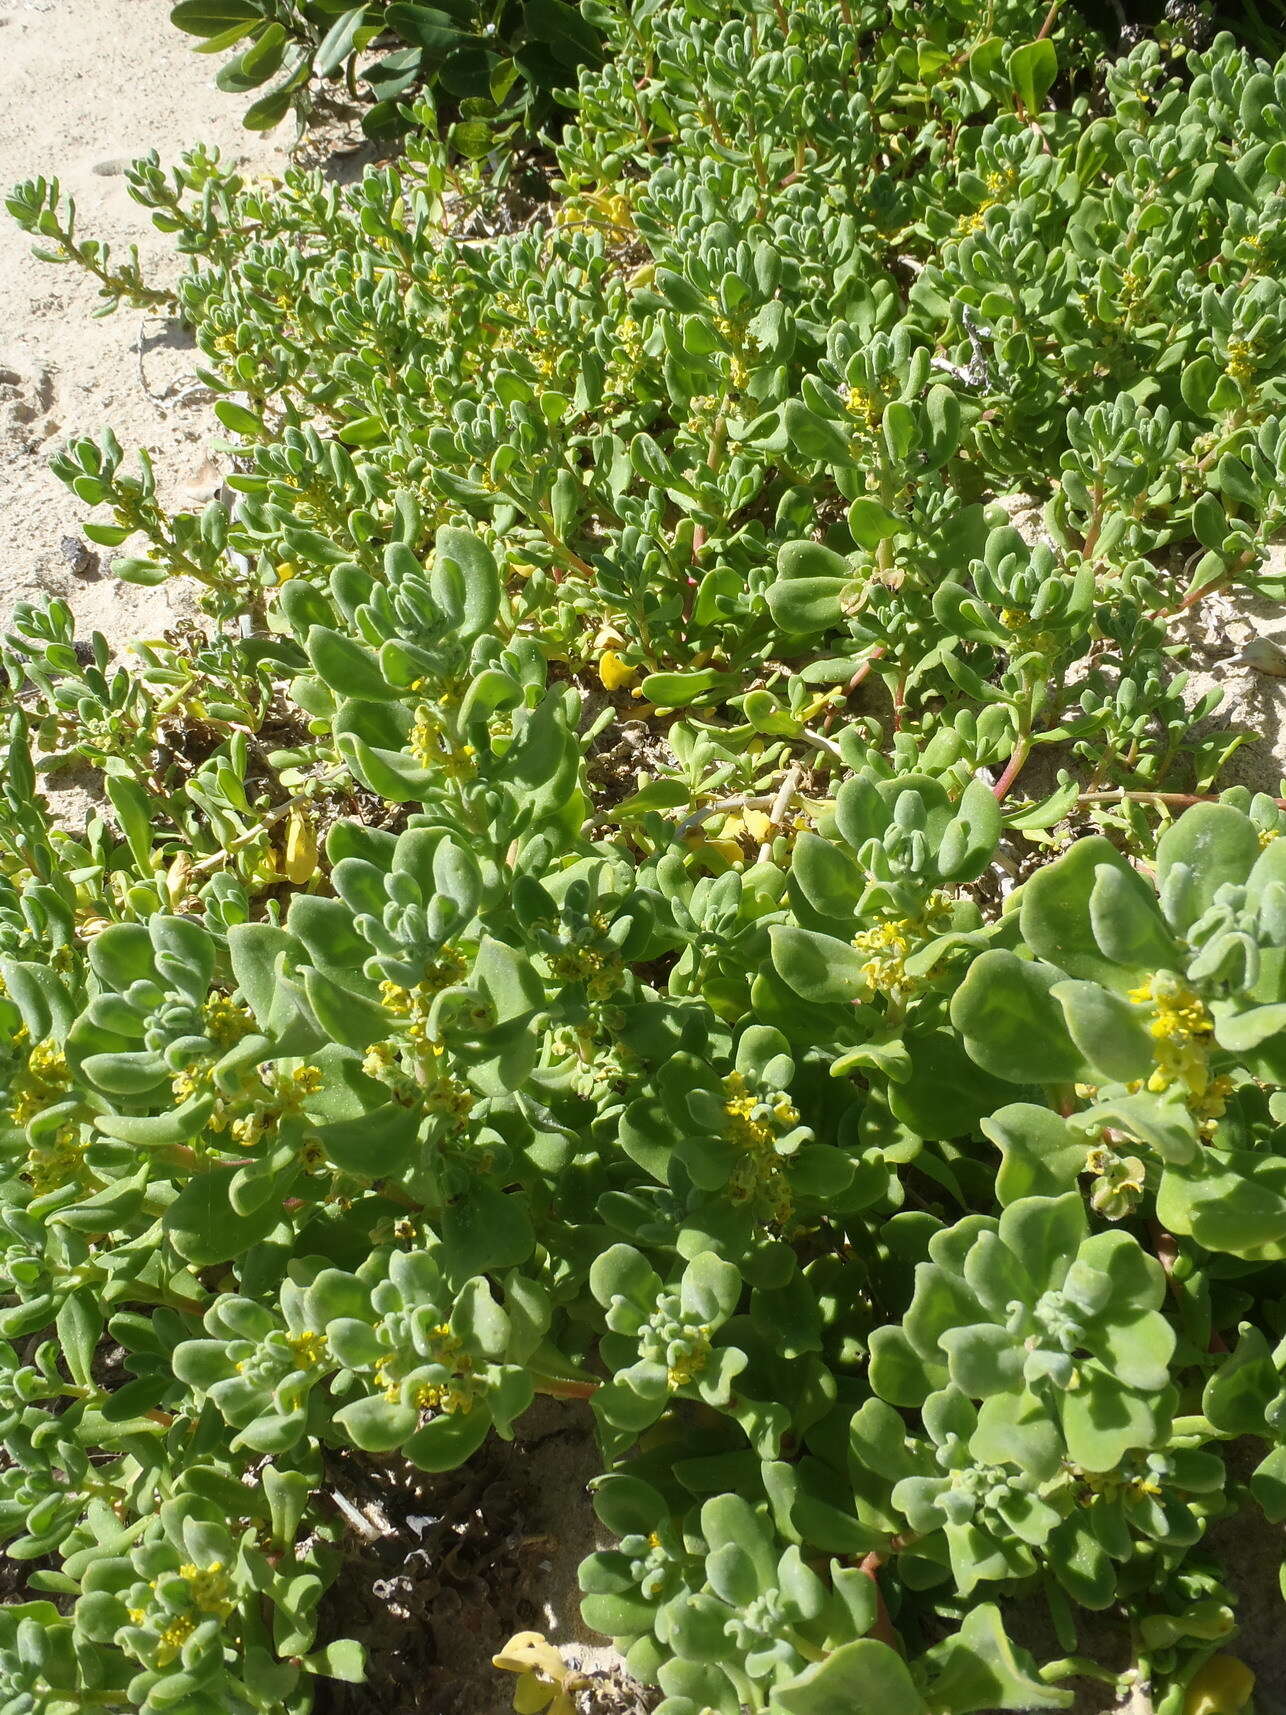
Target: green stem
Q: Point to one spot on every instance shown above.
(1120, 796)
(810, 1652)
(565, 1387)
(1078, 1667)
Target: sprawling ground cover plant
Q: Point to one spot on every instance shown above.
(552, 925)
(492, 64)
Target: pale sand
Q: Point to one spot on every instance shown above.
(86, 86)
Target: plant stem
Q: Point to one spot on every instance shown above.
(1119, 796)
(882, 1628)
(565, 1387)
(1077, 1667)
(1022, 750)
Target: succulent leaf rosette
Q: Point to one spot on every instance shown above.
(1050, 1327)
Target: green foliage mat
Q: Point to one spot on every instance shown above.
(574, 918)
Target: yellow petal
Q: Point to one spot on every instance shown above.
(614, 673)
(1221, 1687)
(286, 570)
(301, 846)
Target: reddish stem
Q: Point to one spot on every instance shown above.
(1015, 767)
(899, 702)
(862, 672)
(883, 1627)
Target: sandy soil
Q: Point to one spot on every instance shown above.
(86, 86)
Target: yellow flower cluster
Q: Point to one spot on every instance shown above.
(1118, 1182)
(412, 1007)
(457, 1395)
(702, 413)
(742, 1128)
(864, 405)
(1178, 1028)
(450, 1099)
(753, 1126)
(998, 187)
(44, 1080)
(1181, 1028)
(453, 1398)
(211, 1588)
(196, 1081)
(294, 1087)
(288, 1093)
(1240, 365)
(432, 745)
(600, 971)
(226, 1022)
(627, 360)
(1109, 1486)
(173, 1637)
(308, 1348)
(55, 1161)
(889, 946)
(380, 1060)
(689, 1365)
(449, 967)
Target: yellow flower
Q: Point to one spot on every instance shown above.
(753, 1125)
(294, 1087)
(174, 1636)
(970, 223)
(889, 946)
(226, 1023)
(1179, 1027)
(44, 1080)
(211, 1588)
(1240, 359)
(308, 1348)
(690, 1365)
